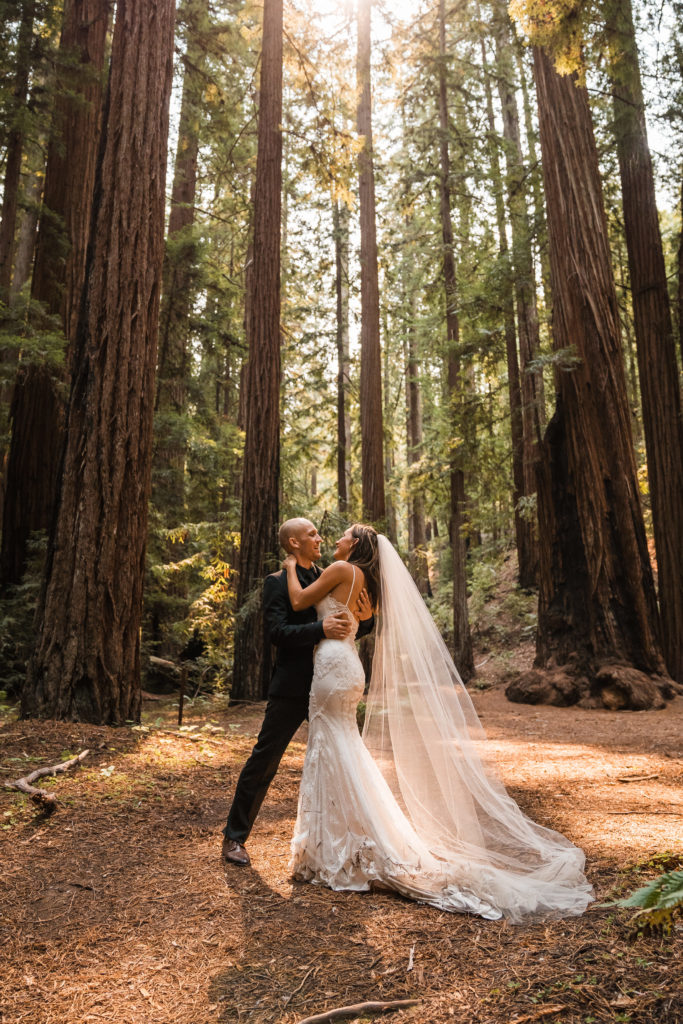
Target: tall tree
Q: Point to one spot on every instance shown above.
(462, 641)
(417, 535)
(37, 407)
(680, 276)
(598, 628)
(26, 236)
(341, 254)
(86, 661)
(523, 532)
(179, 276)
(657, 366)
(261, 472)
(371, 421)
(525, 287)
(15, 146)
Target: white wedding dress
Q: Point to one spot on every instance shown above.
(411, 805)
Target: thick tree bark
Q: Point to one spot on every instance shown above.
(657, 366)
(340, 215)
(371, 423)
(525, 289)
(37, 408)
(15, 148)
(462, 641)
(86, 662)
(261, 474)
(598, 621)
(178, 283)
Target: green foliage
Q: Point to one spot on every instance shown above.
(17, 614)
(657, 903)
(192, 591)
(32, 335)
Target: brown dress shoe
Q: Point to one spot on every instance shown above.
(234, 853)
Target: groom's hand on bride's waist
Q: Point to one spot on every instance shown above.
(336, 627)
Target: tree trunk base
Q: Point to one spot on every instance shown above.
(612, 686)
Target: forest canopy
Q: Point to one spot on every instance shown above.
(413, 264)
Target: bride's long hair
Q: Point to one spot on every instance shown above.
(365, 554)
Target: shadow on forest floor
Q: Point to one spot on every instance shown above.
(117, 910)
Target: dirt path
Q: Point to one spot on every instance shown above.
(116, 909)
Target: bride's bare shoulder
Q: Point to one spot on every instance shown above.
(339, 570)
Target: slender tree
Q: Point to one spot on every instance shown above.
(680, 277)
(15, 147)
(598, 627)
(261, 472)
(37, 407)
(462, 641)
(371, 422)
(531, 381)
(523, 532)
(341, 254)
(86, 661)
(417, 536)
(657, 366)
(26, 236)
(179, 278)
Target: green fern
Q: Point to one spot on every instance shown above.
(656, 904)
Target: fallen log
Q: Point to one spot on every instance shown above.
(46, 801)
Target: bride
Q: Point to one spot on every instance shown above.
(413, 805)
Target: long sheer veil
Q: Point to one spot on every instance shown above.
(422, 730)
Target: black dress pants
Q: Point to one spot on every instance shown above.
(283, 717)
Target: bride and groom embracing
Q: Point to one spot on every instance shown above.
(413, 805)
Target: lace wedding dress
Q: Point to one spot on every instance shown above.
(411, 805)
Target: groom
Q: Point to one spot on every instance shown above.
(294, 634)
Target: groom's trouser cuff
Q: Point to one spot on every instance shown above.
(282, 719)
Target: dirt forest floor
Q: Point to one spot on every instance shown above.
(116, 909)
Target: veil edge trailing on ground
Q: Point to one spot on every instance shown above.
(423, 731)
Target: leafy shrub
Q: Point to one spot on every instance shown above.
(656, 904)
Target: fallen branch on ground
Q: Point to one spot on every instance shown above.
(46, 801)
(340, 1012)
(545, 1011)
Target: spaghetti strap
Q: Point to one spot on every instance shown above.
(353, 583)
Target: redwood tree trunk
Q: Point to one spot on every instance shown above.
(261, 474)
(341, 250)
(657, 366)
(26, 236)
(525, 290)
(178, 283)
(524, 534)
(680, 277)
(37, 409)
(371, 422)
(15, 148)
(86, 662)
(462, 641)
(598, 622)
(417, 535)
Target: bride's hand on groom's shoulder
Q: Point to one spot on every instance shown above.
(363, 609)
(289, 560)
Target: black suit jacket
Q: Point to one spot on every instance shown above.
(294, 635)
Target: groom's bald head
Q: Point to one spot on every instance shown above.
(294, 528)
